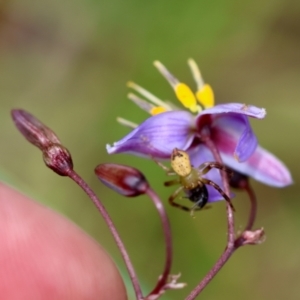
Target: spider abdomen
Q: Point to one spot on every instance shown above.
(198, 195)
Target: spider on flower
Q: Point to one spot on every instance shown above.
(191, 180)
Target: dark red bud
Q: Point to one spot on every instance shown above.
(56, 156)
(33, 130)
(59, 159)
(125, 180)
(238, 180)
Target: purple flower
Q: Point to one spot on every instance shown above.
(227, 125)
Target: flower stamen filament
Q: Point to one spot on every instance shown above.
(204, 94)
(183, 93)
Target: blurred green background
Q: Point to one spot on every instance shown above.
(67, 62)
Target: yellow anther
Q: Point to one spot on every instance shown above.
(206, 96)
(182, 91)
(187, 97)
(157, 110)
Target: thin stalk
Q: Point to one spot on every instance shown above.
(75, 177)
(233, 243)
(230, 247)
(230, 219)
(168, 242)
(253, 206)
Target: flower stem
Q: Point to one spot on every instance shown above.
(75, 177)
(168, 241)
(230, 219)
(230, 247)
(212, 273)
(253, 206)
(233, 243)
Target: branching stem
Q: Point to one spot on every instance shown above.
(233, 243)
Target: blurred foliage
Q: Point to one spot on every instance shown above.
(67, 62)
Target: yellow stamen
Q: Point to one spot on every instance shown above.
(182, 91)
(126, 123)
(164, 71)
(196, 74)
(157, 110)
(147, 95)
(187, 97)
(206, 96)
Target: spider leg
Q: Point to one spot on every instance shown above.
(172, 182)
(195, 207)
(206, 167)
(169, 171)
(173, 197)
(207, 181)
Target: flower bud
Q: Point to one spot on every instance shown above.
(238, 180)
(33, 130)
(55, 156)
(253, 237)
(125, 180)
(59, 159)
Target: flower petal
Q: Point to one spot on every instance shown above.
(232, 133)
(238, 108)
(199, 155)
(262, 166)
(158, 135)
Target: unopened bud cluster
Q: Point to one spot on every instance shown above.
(55, 155)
